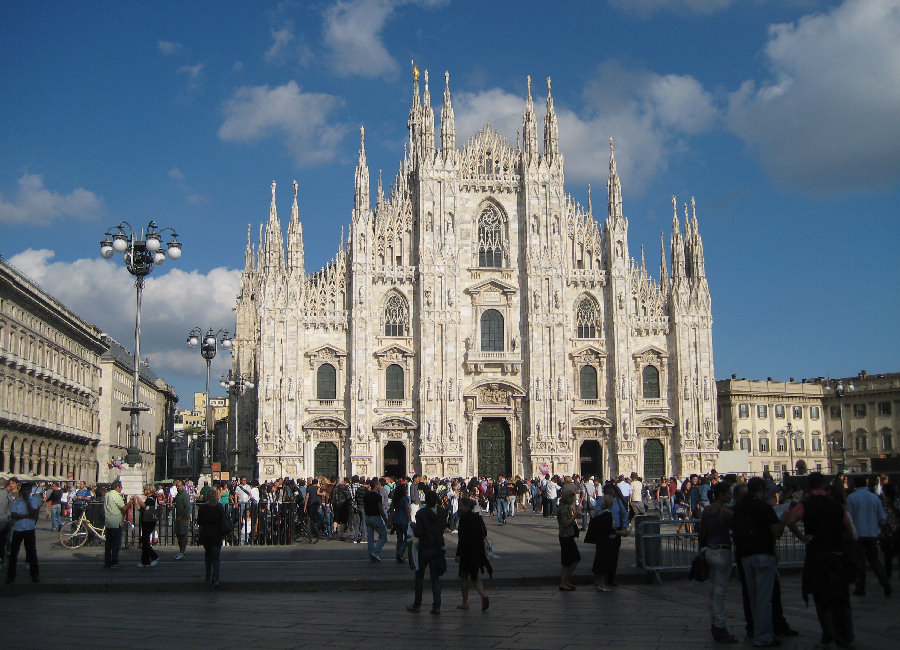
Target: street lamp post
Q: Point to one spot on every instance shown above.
(790, 440)
(235, 384)
(209, 344)
(164, 439)
(840, 390)
(141, 251)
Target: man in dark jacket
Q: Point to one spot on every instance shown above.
(429, 530)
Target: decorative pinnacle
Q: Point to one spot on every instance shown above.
(415, 71)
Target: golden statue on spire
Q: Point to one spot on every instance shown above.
(415, 72)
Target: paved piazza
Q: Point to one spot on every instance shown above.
(330, 595)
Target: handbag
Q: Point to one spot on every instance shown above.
(488, 549)
(590, 536)
(226, 524)
(699, 568)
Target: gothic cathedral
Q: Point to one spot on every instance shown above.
(479, 321)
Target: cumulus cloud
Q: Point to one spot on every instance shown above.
(192, 71)
(353, 34)
(301, 118)
(35, 205)
(169, 47)
(826, 120)
(649, 7)
(645, 112)
(173, 302)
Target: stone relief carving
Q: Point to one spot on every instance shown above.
(493, 395)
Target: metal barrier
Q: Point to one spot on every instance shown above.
(671, 545)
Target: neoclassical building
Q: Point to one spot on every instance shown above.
(476, 320)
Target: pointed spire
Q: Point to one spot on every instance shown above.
(273, 211)
(380, 196)
(613, 185)
(663, 269)
(415, 117)
(699, 263)
(678, 270)
(295, 237)
(551, 129)
(643, 263)
(361, 203)
(590, 203)
(448, 120)
(248, 252)
(427, 122)
(274, 250)
(529, 129)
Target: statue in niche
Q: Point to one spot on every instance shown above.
(556, 299)
(449, 222)
(624, 384)
(360, 389)
(561, 424)
(360, 434)
(705, 390)
(268, 434)
(560, 388)
(279, 439)
(361, 293)
(537, 389)
(290, 432)
(452, 426)
(687, 388)
(429, 390)
(626, 434)
(429, 436)
(440, 387)
(449, 297)
(468, 343)
(514, 343)
(451, 394)
(537, 430)
(536, 299)
(428, 297)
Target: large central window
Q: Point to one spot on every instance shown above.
(396, 316)
(394, 382)
(586, 319)
(492, 331)
(326, 382)
(490, 239)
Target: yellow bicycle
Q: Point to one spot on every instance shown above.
(75, 534)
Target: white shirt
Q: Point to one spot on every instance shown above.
(254, 494)
(625, 489)
(244, 493)
(552, 489)
(637, 490)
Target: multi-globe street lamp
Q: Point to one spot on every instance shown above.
(840, 443)
(209, 344)
(791, 435)
(142, 251)
(235, 384)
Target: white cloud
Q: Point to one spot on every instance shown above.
(192, 71)
(828, 119)
(644, 112)
(173, 302)
(280, 40)
(34, 204)
(176, 175)
(650, 7)
(169, 47)
(353, 33)
(257, 112)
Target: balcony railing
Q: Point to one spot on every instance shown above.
(395, 403)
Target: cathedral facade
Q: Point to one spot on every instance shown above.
(476, 320)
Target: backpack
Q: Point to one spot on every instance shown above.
(742, 533)
(151, 512)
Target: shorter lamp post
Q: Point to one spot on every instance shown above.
(208, 348)
(790, 440)
(840, 445)
(235, 384)
(164, 440)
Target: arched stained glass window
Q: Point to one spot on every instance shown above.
(326, 382)
(586, 319)
(650, 376)
(396, 316)
(393, 382)
(492, 331)
(490, 239)
(588, 377)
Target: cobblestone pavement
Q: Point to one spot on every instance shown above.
(330, 594)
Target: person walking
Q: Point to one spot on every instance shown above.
(150, 515)
(429, 529)
(114, 508)
(182, 518)
(714, 540)
(470, 554)
(567, 519)
(868, 517)
(606, 538)
(374, 509)
(24, 512)
(400, 516)
(212, 521)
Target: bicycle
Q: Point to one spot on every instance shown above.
(305, 529)
(75, 534)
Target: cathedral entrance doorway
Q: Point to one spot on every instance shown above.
(494, 449)
(591, 459)
(395, 459)
(654, 459)
(325, 459)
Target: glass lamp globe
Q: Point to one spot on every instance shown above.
(120, 243)
(152, 243)
(249, 384)
(174, 250)
(106, 249)
(192, 341)
(223, 383)
(159, 257)
(226, 343)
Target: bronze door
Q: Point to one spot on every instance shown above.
(325, 459)
(591, 459)
(395, 459)
(494, 452)
(654, 459)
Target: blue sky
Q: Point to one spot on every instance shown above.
(780, 116)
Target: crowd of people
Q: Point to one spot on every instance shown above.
(843, 526)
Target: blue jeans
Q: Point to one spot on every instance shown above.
(401, 539)
(112, 546)
(501, 511)
(428, 558)
(212, 555)
(760, 572)
(720, 561)
(361, 533)
(374, 523)
(55, 516)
